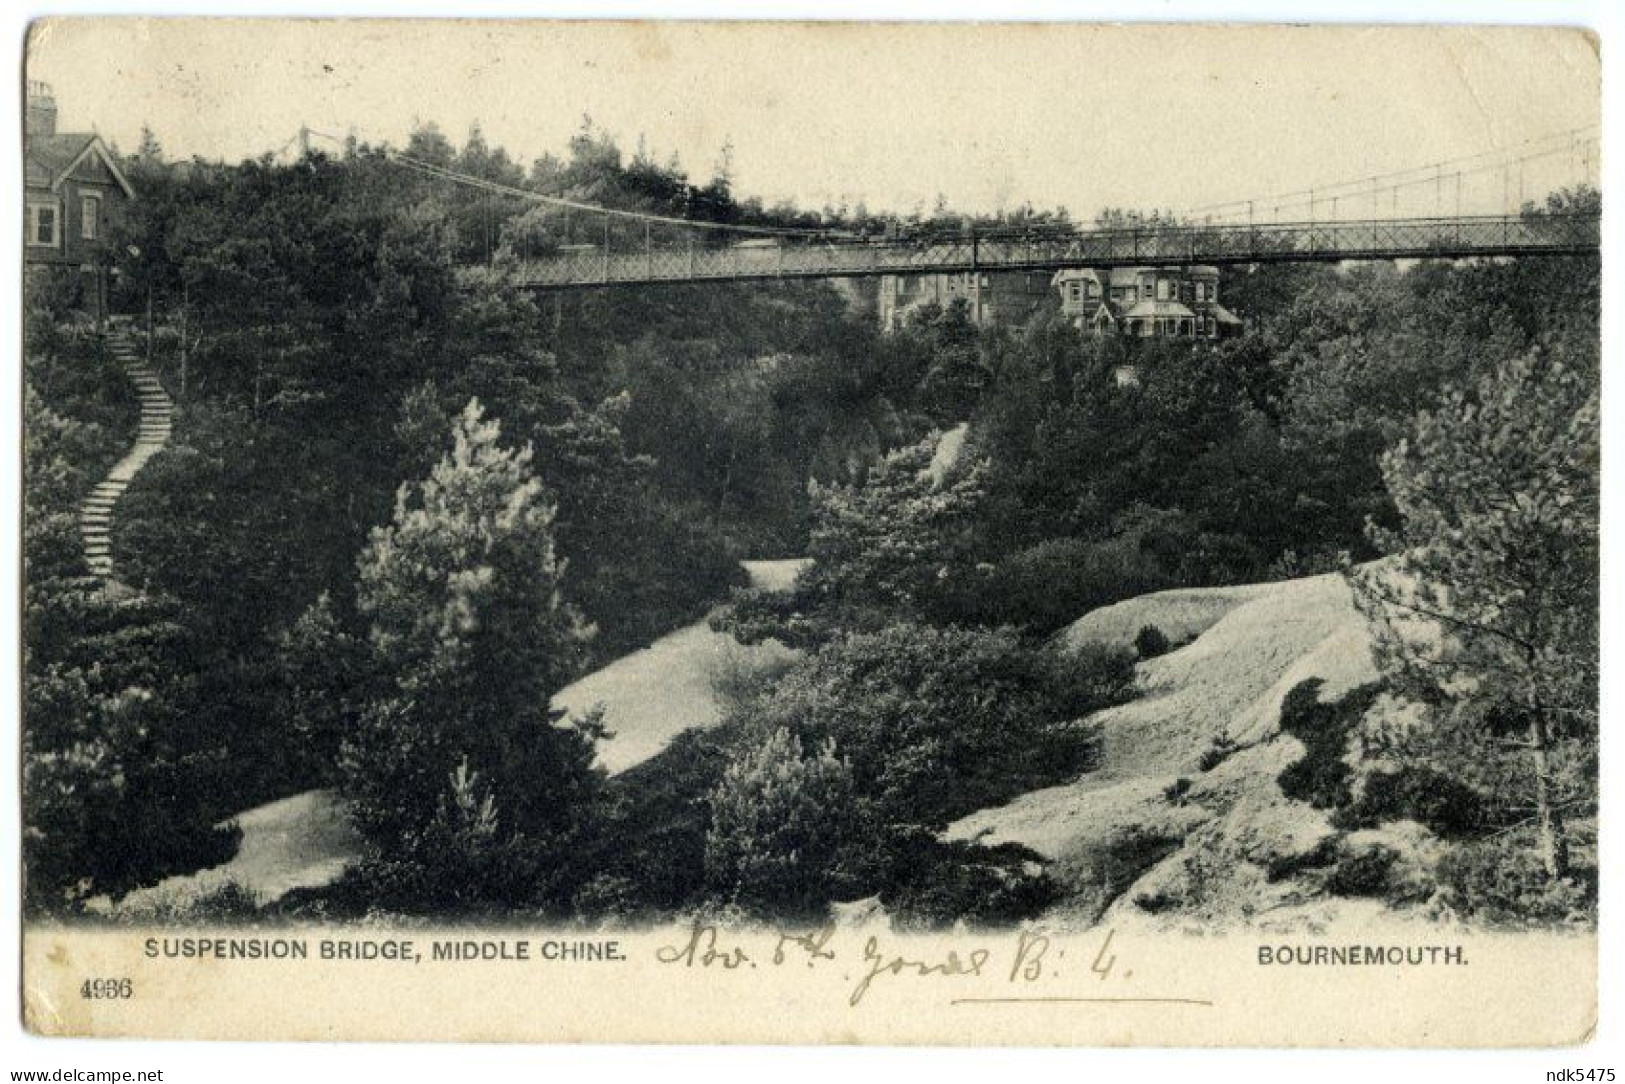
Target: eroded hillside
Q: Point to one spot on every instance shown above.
(1185, 820)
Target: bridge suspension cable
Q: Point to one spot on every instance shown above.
(1579, 143)
(430, 169)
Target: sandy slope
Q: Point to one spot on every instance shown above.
(652, 695)
(305, 841)
(300, 842)
(1252, 644)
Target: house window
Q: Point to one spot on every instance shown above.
(44, 225)
(1073, 291)
(1162, 289)
(90, 217)
(1093, 288)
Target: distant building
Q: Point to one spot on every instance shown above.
(74, 193)
(993, 298)
(1147, 302)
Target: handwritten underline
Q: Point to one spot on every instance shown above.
(1081, 1001)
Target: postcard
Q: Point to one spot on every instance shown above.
(683, 532)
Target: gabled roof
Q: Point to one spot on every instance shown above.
(1147, 309)
(51, 159)
(1073, 274)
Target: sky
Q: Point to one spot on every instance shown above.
(986, 117)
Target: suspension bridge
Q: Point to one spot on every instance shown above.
(1480, 205)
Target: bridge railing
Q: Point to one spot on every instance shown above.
(1052, 250)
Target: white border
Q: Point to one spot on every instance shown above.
(279, 1063)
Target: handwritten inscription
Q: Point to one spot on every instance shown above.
(1028, 966)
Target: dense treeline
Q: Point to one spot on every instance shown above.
(403, 506)
(320, 344)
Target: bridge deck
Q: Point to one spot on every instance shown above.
(1303, 242)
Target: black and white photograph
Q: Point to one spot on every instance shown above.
(849, 532)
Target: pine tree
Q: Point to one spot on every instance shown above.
(1493, 596)
(779, 820)
(470, 637)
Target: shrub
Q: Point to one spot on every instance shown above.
(779, 820)
(1321, 777)
(1501, 882)
(739, 674)
(1053, 583)
(938, 723)
(1155, 903)
(1176, 792)
(1128, 854)
(1364, 872)
(654, 822)
(610, 899)
(937, 883)
(1217, 752)
(1443, 803)
(1150, 642)
(1319, 856)
(221, 904)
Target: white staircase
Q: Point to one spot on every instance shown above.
(96, 518)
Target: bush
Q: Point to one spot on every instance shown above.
(1319, 856)
(1049, 585)
(779, 821)
(740, 674)
(1217, 752)
(938, 723)
(654, 823)
(1443, 803)
(1177, 791)
(1501, 882)
(1150, 642)
(1363, 873)
(934, 884)
(1321, 777)
(225, 903)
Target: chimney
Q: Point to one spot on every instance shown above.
(41, 120)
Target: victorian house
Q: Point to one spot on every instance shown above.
(74, 193)
(991, 298)
(1147, 302)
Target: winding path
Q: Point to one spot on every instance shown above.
(96, 518)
